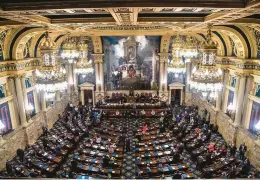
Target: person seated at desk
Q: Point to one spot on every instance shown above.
(176, 157)
(112, 125)
(211, 147)
(152, 113)
(160, 167)
(208, 158)
(245, 167)
(148, 169)
(223, 150)
(58, 150)
(177, 175)
(146, 148)
(144, 129)
(20, 154)
(162, 129)
(138, 160)
(74, 166)
(143, 113)
(107, 142)
(9, 168)
(98, 140)
(232, 172)
(112, 160)
(111, 149)
(106, 161)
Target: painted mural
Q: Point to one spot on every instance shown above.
(5, 118)
(130, 61)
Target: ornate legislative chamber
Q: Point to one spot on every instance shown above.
(202, 53)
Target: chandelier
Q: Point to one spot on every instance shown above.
(51, 77)
(207, 79)
(177, 65)
(69, 50)
(83, 65)
(190, 49)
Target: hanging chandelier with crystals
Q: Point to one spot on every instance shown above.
(69, 49)
(190, 49)
(83, 65)
(51, 77)
(207, 79)
(177, 65)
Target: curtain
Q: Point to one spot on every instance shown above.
(31, 101)
(230, 97)
(5, 118)
(254, 116)
(233, 82)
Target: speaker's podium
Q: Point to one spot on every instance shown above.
(131, 99)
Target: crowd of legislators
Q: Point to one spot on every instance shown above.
(85, 142)
(182, 133)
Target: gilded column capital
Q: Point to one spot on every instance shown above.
(98, 58)
(163, 55)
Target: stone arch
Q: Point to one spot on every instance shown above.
(239, 41)
(201, 37)
(8, 40)
(58, 38)
(20, 39)
(227, 43)
(252, 40)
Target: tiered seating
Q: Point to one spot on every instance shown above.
(155, 149)
(91, 153)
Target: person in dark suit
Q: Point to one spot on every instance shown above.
(45, 143)
(20, 154)
(45, 131)
(233, 150)
(242, 150)
(177, 175)
(8, 167)
(127, 145)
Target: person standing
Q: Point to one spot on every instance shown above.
(242, 150)
(233, 150)
(127, 144)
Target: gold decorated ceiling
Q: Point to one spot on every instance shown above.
(123, 17)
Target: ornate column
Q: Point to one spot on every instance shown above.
(249, 86)
(163, 71)
(236, 89)
(15, 101)
(75, 79)
(36, 97)
(99, 70)
(225, 82)
(20, 98)
(240, 99)
(188, 75)
(68, 78)
(43, 100)
(25, 97)
(57, 95)
(154, 60)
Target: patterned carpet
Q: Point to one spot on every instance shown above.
(128, 170)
